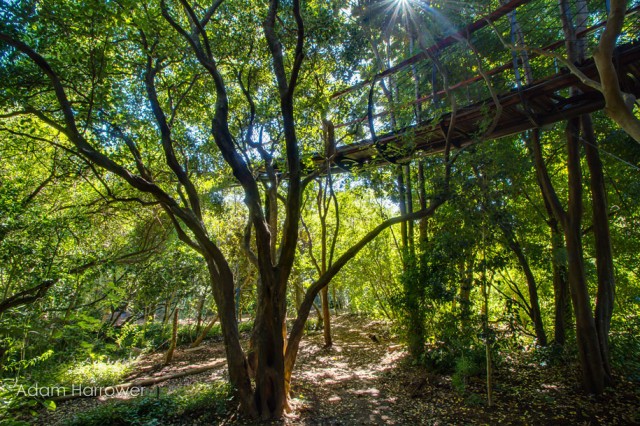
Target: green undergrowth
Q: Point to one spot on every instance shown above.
(625, 346)
(202, 402)
(100, 372)
(155, 336)
(90, 355)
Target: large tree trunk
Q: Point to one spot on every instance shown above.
(600, 374)
(270, 393)
(586, 333)
(604, 256)
(223, 289)
(588, 345)
(593, 371)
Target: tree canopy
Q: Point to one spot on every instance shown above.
(175, 161)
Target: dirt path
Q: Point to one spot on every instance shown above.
(348, 383)
(365, 382)
(365, 379)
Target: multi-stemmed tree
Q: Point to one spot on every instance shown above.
(163, 97)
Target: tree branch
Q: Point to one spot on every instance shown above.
(28, 296)
(167, 141)
(618, 105)
(334, 269)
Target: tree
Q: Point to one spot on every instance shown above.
(326, 200)
(119, 70)
(592, 337)
(619, 105)
(501, 220)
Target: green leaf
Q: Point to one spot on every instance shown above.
(49, 404)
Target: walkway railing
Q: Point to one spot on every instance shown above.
(468, 69)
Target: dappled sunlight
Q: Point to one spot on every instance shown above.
(366, 392)
(96, 373)
(447, 187)
(359, 381)
(347, 381)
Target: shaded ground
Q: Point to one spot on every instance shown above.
(366, 379)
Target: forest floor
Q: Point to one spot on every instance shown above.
(366, 379)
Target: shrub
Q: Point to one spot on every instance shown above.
(245, 327)
(140, 411)
(16, 410)
(203, 401)
(625, 345)
(144, 336)
(468, 365)
(96, 373)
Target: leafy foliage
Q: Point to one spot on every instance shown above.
(201, 402)
(94, 373)
(118, 261)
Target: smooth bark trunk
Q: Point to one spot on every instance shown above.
(174, 338)
(326, 315)
(270, 394)
(618, 105)
(593, 373)
(223, 289)
(604, 256)
(323, 210)
(204, 332)
(199, 309)
(562, 300)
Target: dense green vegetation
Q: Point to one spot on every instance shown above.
(167, 178)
